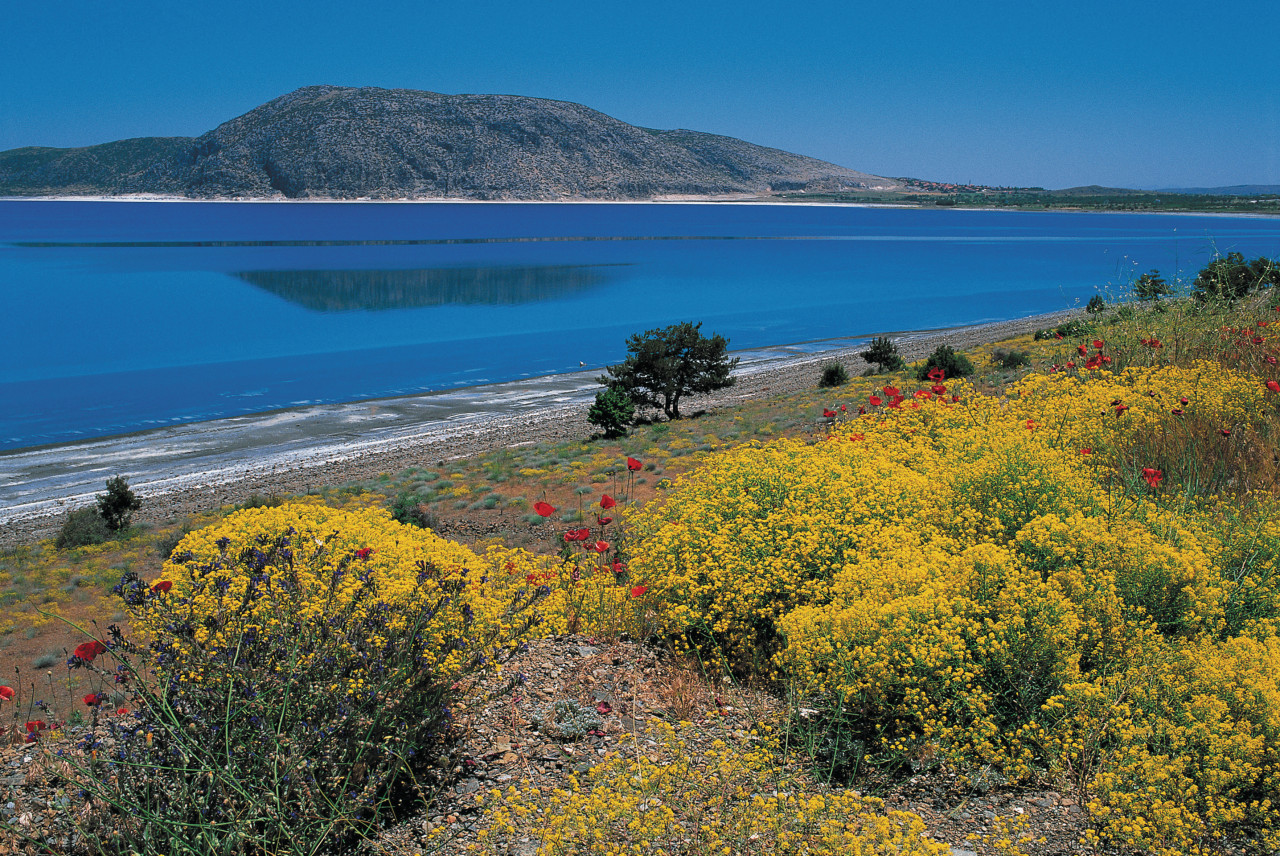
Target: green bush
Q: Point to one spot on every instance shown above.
(1066, 330)
(83, 527)
(407, 509)
(1230, 277)
(884, 354)
(944, 357)
(1095, 305)
(612, 412)
(1010, 359)
(833, 375)
(257, 500)
(118, 504)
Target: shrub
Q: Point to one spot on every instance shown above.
(1016, 586)
(833, 375)
(667, 364)
(1230, 277)
(83, 527)
(299, 675)
(953, 364)
(612, 412)
(118, 503)
(168, 542)
(1095, 305)
(884, 354)
(1010, 359)
(1065, 330)
(407, 508)
(257, 500)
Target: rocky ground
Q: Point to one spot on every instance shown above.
(630, 686)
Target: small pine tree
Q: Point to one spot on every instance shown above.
(118, 504)
(1096, 304)
(884, 354)
(1151, 286)
(612, 412)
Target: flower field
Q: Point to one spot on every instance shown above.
(1065, 575)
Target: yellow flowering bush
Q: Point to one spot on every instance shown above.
(1041, 584)
(298, 673)
(669, 798)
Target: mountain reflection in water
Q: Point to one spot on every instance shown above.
(346, 290)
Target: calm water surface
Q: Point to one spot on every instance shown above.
(122, 316)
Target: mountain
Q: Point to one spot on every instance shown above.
(345, 143)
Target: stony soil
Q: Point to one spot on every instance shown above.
(500, 744)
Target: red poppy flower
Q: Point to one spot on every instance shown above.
(531, 579)
(1092, 363)
(937, 374)
(856, 437)
(896, 403)
(604, 521)
(875, 400)
(6, 693)
(95, 699)
(1031, 425)
(1273, 386)
(828, 414)
(1270, 359)
(633, 464)
(844, 408)
(607, 501)
(1106, 361)
(1177, 411)
(955, 399)
(1184, 401)
(1082, 350)
(364, 553)
(637, 591)
(1086, 451)
(923, 393)
(543, 509)
(938, 389)
(862, 409)
(87, 651)
(36, 725)
(601, 546)
(1257, 340)
(1225, 432)
(1097, 343)
(604, 707)
(121, 711)
(892, 392)
(1152, 476)
(162, 586)
(618, 568)
(1121, 408)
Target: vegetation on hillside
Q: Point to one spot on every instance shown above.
(1062, 570)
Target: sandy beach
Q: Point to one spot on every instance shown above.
(186, 469)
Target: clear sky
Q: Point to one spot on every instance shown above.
(1056, 94)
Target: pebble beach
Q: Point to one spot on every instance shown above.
(184, 470)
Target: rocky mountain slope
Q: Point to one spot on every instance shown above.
(338, 142)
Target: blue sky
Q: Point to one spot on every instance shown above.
(1137, 94)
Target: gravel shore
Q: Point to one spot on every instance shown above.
(544, 410)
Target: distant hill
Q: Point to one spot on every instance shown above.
(344, 143)
(1230, 190)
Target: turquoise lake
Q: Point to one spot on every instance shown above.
(123, 316)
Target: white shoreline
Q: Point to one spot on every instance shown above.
(187, 469)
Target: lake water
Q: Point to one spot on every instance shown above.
(123, 316)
